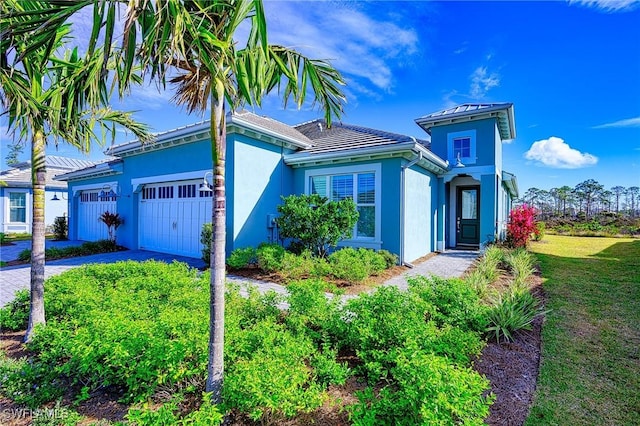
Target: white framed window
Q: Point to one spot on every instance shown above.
(361, 184)
(18, 207)
(462, 145)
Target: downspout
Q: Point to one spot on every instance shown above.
(402, 199)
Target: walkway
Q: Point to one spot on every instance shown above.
(452, 263)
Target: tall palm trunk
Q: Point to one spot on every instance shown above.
(215, 367)
(38, 179)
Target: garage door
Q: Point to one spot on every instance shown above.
(171, 217)
(90, 207)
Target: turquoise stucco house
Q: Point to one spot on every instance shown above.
(415, 196)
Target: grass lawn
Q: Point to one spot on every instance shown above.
(590, 368)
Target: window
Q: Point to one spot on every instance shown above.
(148, 193)
(360, 187)
(462, 145)
(187, 191)
(165, 192)
(18, 207)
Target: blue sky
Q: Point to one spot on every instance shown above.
(572, 69)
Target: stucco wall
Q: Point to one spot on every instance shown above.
(420, 201)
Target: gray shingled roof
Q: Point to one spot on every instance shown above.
(272, 125)
(20, 174)
(340, 137)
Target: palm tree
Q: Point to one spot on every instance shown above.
(195, 39)
(47, 97)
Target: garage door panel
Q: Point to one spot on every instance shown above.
(176, 219)
(90, 208)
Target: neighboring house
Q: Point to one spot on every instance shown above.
(414, 196)
(16, 195)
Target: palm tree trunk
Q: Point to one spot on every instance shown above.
(215, 368)
(38, 179)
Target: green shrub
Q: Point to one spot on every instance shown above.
(512, 311)
(390, 259)
(169, 414)
(315, 222)
(270, 256)
(130, 325)
(3, 238)
(268, 371)
(242, 258)
(205, 239)
(60, 228)
(426, 390)
(311, 311)
(86, 249)
(456, 303)
(56, 416)
(29, 383)
(376, 325)
(15, 315)
(355, 265)
(540, 231)
(25, 255)
(295, 267)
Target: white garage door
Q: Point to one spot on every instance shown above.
(171, 217)
(90, 228)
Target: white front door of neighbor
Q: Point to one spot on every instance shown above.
(90, 208)
(171, 216)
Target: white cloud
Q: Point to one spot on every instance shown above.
(629, 122)
(362, 47)
(608, 6)
(555, 152)
(482, 81)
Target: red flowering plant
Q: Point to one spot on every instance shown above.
(521, 226)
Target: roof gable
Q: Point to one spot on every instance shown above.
(502, 112)
(20, 174)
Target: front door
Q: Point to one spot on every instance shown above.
(468, 215)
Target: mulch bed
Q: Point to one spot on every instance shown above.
(512, 369)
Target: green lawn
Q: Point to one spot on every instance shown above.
(590, 368)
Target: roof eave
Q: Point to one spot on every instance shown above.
(406, 150)
(511, 183)
(99, 170)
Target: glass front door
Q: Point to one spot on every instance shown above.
(468, 216)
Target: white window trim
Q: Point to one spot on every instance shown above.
(471, 134)
(27, 204)
(376, 169)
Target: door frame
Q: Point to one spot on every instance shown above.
(460, 223)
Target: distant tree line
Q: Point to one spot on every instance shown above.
(587, 201)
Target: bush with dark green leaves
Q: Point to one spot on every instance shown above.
(60, 228)
(315, 222)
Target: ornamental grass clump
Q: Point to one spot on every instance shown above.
(512, 311)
